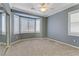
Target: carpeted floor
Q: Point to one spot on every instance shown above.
(1, 49)
(41, 47)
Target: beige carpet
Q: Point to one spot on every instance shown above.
(41, 47)
(2, 48)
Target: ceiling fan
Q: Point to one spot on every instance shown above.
(43, 7)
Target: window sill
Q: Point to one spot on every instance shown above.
(32, 32)
(73, 34)
(29, 33)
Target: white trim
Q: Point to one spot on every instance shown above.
(73, 34)
(75, 11)
(12, 43)
(28, 11)
(2, 43)
(64, 43)
(15, 42)
(64, 8)
(27, 16)
(69, 23)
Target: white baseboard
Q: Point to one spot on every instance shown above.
(12, 43)
(2, 43)
(15, 42)
(64, 43)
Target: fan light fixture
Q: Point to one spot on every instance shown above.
(43, 7)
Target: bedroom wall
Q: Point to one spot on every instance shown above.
(58, 27)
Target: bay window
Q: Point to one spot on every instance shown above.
(38, 25)
(31, 25)
(3, 23)
(26, 24)
(16, 24)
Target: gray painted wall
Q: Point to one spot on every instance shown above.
(44, 27)
(58, 27)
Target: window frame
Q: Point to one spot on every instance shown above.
(3, 16)
(14, 25)
(21, 23)
(69, 23)
(28, 24)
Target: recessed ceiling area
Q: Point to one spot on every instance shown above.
(34, 8)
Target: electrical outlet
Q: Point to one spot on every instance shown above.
(74, 41)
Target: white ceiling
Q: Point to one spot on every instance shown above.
(33, 8)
